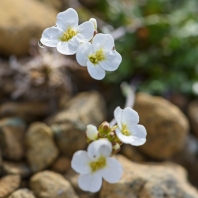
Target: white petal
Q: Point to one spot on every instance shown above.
(130, 117)
(118, 116)
(50, 36)
(112, 60)
(113, 172)
(105, 41)
(80, 162)
(70, 47)
(85, 31)
(94, 22)
(90, 182)
(95, 71)
(67, 19)
(133, 140)
(99, 147)
(138, 131)
(83, 53)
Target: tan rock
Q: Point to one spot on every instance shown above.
(149, 181)
(16, 168)
(69, 125)
(58, 4)
(11, 138)
(8, 184)
(132, 153)
(22, 193)
(166, 126)
(48, 184)
(193, 116)
(61, 165)
(41, 150)
(29, 111)
(17, 30)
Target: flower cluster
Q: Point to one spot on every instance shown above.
(105, 141)
(96, 51)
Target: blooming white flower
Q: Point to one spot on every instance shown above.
(128, 130)
(67, 35)
(99, 56)
(92, 132)
(96, 164)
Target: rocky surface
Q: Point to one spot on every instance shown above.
(48, 184)
(61, 165)
(166, 126)
(29, 111)
(17, 30)
(193, 116)
(69, 125)
(11, 138)
(16, 168)
(41, 149)
(149, 181)
(22, 193)
(58, 4)
(8, 184)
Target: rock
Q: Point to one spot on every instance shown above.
(61, 165)
(11, 138)
(29, 111)
(22, 193)
(187, 157)
(9, 184)
(41, 150)
(17, 30)
(166, 126)
(16, 168)
(58, 4)
(69, 125)
(72, 177)
(193, 116)
(132, 153)
(48, 184)
(149, 181)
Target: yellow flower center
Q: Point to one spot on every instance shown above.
(97, 57)
(99, 164)
(125, 130)
(68, 35)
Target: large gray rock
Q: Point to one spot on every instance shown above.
(166, 126)
(48, 184)
(149, 181)
(41, 150)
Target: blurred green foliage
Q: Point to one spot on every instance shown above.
(160, 47)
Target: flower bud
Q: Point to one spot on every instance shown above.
(93, 20)
(115, 147)
(91, 132)
(104, 128)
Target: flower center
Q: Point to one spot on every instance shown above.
(96, 165)
(97, 57)
(68, 35)
(125, 130)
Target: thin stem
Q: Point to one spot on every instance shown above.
(129, 92)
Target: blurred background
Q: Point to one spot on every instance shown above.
(158, 41)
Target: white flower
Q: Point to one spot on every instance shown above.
(67, 35)
(96, 164)
(99, 56)
(92, 132)
(128, 130)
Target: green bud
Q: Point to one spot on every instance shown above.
(104, 128)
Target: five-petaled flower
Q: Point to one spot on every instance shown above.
(96, 164)
(128, 130)
(99, 56)
(67, 35)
